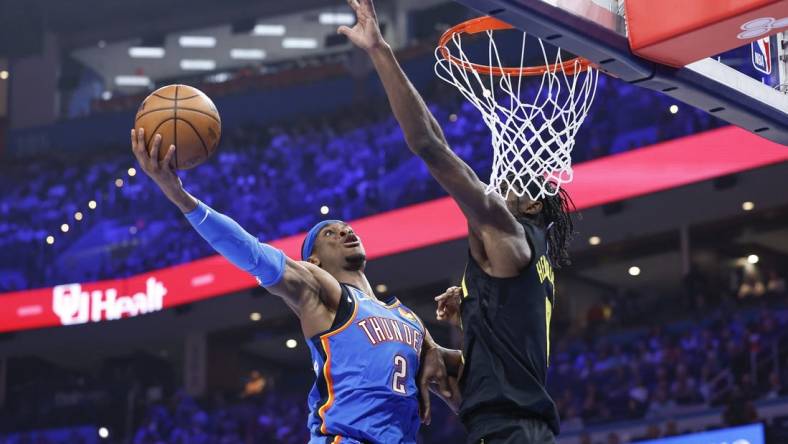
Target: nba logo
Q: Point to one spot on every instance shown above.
(762, 55)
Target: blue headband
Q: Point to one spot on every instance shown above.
(309, 240)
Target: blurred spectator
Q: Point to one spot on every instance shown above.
(776, 388)
(671, 429)
(739, 410)
(660, 407)
(775, 284)
(254, 385)
(652, 432)
(570, 422)
(751, 287)
(684, 389)
(747, 388)
(638, 391)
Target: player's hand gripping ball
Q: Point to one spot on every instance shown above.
(185, 117)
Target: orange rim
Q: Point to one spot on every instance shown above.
(482, 24)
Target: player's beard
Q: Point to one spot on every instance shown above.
(355, 262)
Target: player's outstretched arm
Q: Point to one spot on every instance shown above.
(303, 287)
(487, 214)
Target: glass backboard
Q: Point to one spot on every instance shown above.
(726, 85)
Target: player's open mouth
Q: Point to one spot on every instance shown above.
(352, 244)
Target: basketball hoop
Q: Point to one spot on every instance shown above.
(533, 126)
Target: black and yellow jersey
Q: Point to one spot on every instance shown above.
(506, 324)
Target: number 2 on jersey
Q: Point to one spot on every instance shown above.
(400, 373)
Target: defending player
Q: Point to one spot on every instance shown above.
(508, 283)
(366, 352)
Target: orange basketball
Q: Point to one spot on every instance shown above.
(185, 117)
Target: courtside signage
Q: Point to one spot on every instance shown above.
(750, 434)
(73, 305)
(81, 303)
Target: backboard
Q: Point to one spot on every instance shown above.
(724, 85)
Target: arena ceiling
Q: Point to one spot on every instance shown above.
(100, 32)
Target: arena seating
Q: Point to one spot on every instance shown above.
(654, 374)
(354, 161)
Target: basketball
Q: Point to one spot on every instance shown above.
(185, 117)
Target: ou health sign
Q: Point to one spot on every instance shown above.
(749, 434)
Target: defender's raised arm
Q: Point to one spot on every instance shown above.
(487, 214)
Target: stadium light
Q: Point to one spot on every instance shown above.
(103, 432)
(753, 259)
(92, 204)
(269, 30)
(133, 230)
(78, 215)
(634, 271)
(219, 77)
(255, 316)
(146, 52)
(674, 109)
(3, 74)
(197, 41)
(336, 18)
(452, 117)
(106, 95)
(132, 172)
(118, 182)
(324, 210)
(594, 240)
(381, 288)
(132, 81)
(247, 54)
(291, 343)
(64, 228)
(50, 240)
(299, 43)
(748, 206)
(198, 64)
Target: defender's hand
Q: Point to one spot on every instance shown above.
(432, 373)
(162, 172)
(448, 309)
(366, 32)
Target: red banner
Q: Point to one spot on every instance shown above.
(647, 170)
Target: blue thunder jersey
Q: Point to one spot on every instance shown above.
(366, 367)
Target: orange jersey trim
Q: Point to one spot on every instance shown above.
(327, 369)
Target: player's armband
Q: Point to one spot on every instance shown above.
(262, 261)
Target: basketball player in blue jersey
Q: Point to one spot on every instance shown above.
(507, 289)
(366, 353)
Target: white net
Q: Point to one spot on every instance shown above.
(533, 120)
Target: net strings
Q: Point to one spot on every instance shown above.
(532, 142)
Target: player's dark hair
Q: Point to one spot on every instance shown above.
(556, 218)
(556, 210)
